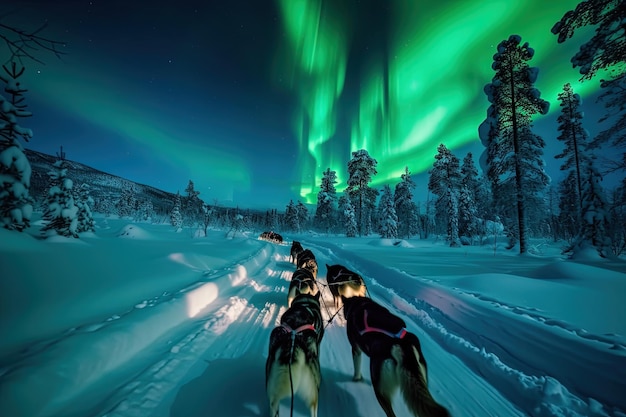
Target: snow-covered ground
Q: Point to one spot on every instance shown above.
(140, 321)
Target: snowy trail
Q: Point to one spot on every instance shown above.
(243, 358)
(515, 350)
(162, 357)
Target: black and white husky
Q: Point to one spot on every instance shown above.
(302, 282)
(293, 366)
(306, 259)
(396, 359)
(342, 281)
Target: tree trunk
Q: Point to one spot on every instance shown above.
(521, 207)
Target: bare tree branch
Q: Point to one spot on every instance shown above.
(23, 45)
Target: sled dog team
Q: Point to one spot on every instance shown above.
(396, 359)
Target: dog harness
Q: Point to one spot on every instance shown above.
(369, 328)
(299, 329)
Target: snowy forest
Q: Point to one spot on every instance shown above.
(505, 191)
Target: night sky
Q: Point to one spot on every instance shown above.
(253, 100)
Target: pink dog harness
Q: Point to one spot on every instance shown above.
(299, 329)
(369, 328)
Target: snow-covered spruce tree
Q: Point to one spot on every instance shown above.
(472, 196)
(514, 161)
(595, 223)
(271, 220)
(445, 182)
(348, 216)
(176, 218)
(605, 51)
(292, 222)
(191, 205)
(325, 213)
(361, 170)
(387, 220)
(60, 215)
(303, 215)
(406, 209)
(105, 205)
(84, 202)
(145, 210)
(468, 222)
(574, 137)
(127, 203)
(16, 204)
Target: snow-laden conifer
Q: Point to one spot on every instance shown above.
(292, 222)
(445, 182)
(514, 161)
(604, 53)
(574, 137)
(127, 203)
(348, 215)
(361, 170)
(472, 198)
(406, 209)
(387, 220)
(191, 205)
(302, 213)
(595, 221)
(325, 213)
(61, 214)
(176, 218)
(84, 202)
(16, 204)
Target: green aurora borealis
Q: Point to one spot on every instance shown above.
(254, 100)
(423, 86)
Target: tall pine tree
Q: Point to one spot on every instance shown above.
(325, 213)
(604, 52)
(292, 222)
(514, 154)
(445, 182)
(361, 170)
(574, 137)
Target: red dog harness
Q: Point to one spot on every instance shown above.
(369, 328)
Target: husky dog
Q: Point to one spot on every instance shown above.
(396, 359)
(271, 236)
(296, 248)
(307, 260)
(293, 365)
(302, 282)
(342, 281)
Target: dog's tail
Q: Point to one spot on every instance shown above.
(414, 379)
